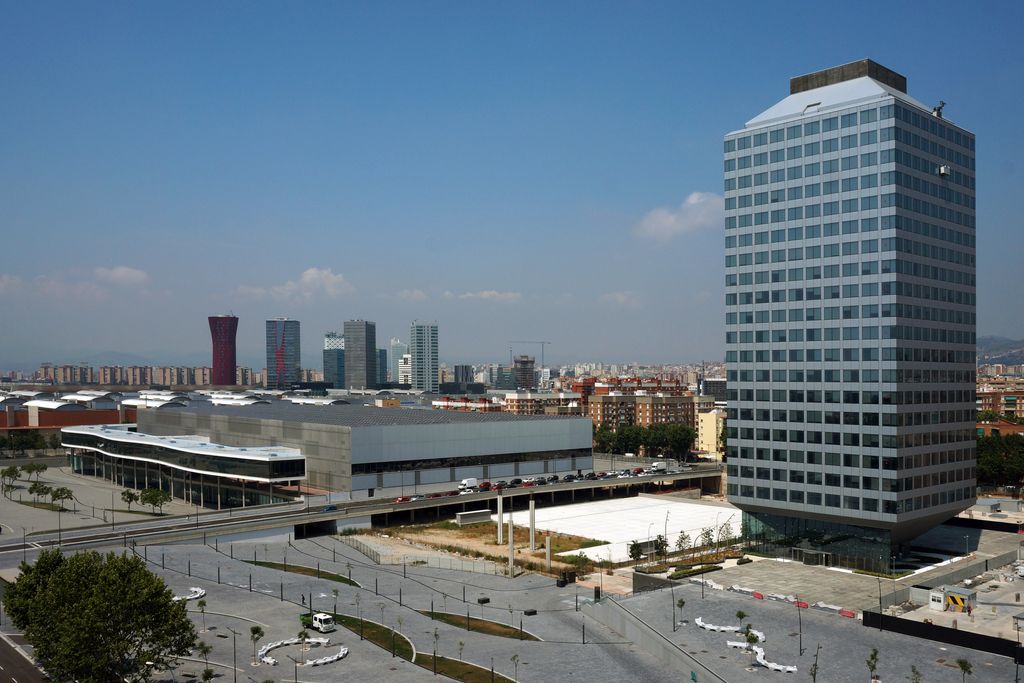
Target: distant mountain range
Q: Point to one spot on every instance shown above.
(1000, 350)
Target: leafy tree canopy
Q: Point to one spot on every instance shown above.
(98, 618)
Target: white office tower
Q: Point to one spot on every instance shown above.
(850, 319)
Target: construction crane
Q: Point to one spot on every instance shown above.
(542, 345)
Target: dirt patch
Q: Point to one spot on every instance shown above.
(480, 540)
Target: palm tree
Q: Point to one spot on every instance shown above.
(751, 639)
(255, 634)
(872, 662)
(965, 669)
(207, 675)
(202, 610)
(204, 651)
(515, 662)
(303, 636)
(461, 646)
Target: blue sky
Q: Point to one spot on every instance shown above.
(518, 171)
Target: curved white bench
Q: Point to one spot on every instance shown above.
(194, 593)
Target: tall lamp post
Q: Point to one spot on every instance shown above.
(234, 660)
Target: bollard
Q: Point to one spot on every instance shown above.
(190, 566)
(145, 553)
(282, 591)
(250, 582)
(399, 596)
(231, 548)
(161, 559)
(463, 592)
(334, 554)
(375, 591)
(218, 574)
(216, 545)
(318, 570)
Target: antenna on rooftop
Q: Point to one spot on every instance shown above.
(937, 110)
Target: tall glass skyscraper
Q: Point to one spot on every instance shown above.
(283, 347)
(850, 319)
(423, 349)
(223, 329)
(398, 349)
(334, 360)
(360, 354)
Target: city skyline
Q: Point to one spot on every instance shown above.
(551, 146)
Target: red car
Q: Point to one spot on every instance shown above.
(638, 470)
(402, 499)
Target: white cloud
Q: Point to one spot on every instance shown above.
(699, 211)
(312, 283)
(56, 288)
(487, 295)
(122, 276)
(413, 295)
(624, 299)
(9, 283)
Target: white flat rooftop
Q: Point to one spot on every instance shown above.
(621, 521)
(190, 443)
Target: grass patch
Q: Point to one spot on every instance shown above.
(460, 671)
(392, 641)
(40, 505)
(305, 571)
(491, 628)
(683, 573)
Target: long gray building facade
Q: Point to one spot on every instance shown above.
(850, 319)
(371, 451)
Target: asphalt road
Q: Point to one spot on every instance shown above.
(15, 668)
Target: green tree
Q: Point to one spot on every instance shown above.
(108, 606)
(635, 551)
(628, 439)
(8, 476)
(604, 439)
(680, 439)
(660, 545)
(965, 669)
(915, 675)
(155, 498)
(207, 675)
(740, 616)
(128, 497)
(707, 538)
(59, 495)
(303, 636)
(38, 489)
(255, 635)
(204, 650)
(682, 542)
(34, 468)
(54, 441)
(872, 662)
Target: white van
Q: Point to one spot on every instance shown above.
(324, 623)
(470, 483)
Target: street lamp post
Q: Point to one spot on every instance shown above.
(800, 627)
(967, 545)
(665, 535)
(234, 660)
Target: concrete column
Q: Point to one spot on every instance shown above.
(547, 550)
(511, 546)
(501, 521)
(533, 525)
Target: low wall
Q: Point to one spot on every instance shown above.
(620, 619)
(942, 634)
(644, 582)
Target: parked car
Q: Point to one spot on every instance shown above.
(553, 478)
(541, 481)
(402, 499)
(413, 499)
(569, 477)
(515, 482)
(638, 470)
